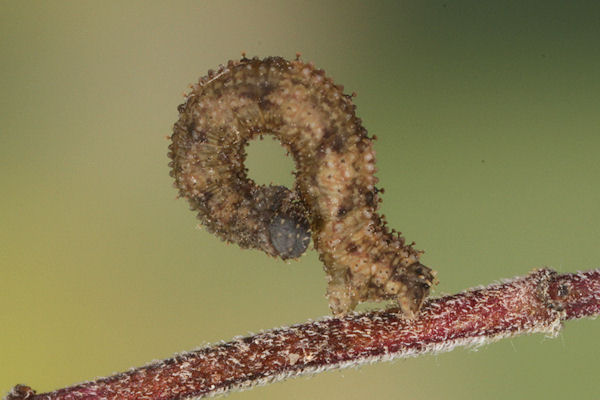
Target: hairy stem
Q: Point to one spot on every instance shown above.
(537, 302)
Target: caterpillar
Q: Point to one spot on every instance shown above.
(334, 200)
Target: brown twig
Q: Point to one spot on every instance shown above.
(538, 302)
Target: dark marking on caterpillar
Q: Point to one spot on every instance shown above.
(334, 199)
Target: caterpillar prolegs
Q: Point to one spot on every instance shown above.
(334, 200)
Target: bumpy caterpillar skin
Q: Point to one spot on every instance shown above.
(334, 194)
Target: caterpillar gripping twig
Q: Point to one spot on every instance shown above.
(334, 198)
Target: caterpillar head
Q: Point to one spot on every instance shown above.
(290, 235)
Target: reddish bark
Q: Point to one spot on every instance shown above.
(538, 302)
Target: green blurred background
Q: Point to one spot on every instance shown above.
(488, 121)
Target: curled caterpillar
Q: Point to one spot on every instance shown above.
(334, 199)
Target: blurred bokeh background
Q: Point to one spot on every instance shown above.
(488, 118)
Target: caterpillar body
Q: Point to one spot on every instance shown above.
(334, 199)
